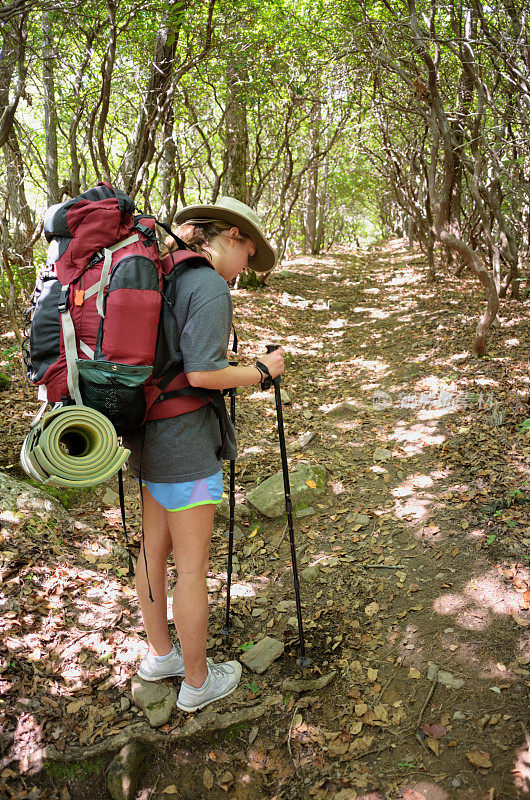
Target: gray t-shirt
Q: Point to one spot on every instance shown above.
(184, 448)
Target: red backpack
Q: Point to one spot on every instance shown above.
(95, 312)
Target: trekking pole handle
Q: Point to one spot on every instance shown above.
(270, 349)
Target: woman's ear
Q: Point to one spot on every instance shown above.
(233, 233)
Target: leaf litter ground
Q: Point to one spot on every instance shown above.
(419, 600)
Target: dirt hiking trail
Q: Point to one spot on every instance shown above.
(416, 581)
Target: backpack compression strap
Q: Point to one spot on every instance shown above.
(69, 337)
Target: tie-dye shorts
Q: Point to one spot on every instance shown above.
(189, 494)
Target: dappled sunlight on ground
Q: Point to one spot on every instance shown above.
(480, 597)
(413, 438)
(413, 508)
(240, 589)
(521, 769)
(411, 542)
(490, 591)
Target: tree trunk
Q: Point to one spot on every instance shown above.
(322, 206)
(160, 92)
(440, 197)
(156, 101)
(12, 60)
(311, 220)
(431, 273)
(18, 223)
(20, 215)
(236, 138)
(50, 112)
(167, 170)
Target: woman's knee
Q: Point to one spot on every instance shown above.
(194, 571)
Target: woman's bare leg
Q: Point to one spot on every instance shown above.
(158, 546)
(191, 533)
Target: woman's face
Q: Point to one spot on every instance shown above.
(230, 253)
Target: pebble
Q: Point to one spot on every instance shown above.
(286, 605)
(304, 512)
(361, 519)
(310, 574)
(110, 497)
(238, 534)
(459, 715)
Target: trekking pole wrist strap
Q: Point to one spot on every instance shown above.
(266, 383)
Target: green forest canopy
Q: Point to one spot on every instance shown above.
(337, 121)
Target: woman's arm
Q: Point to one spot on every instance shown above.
(225, 378)
(229, 377)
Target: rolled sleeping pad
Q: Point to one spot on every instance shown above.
(72, 446)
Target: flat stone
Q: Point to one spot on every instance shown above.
(301, 442)
(122, 776)
(251, 452)
(310, 574)
(304, 512)
(269, 498)
(286, 398)
(459, 715)
(343, 411)
(381, 454)
(449, 680)
(259, 657)
(307, 684)
(443, 677)
(110, 498)
(156, 699)
(286, 605)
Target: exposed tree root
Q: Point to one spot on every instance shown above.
(205, 723)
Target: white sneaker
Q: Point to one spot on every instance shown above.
(152, 670)
(222, 680)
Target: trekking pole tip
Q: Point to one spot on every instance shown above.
(226, 632)
(304, 661)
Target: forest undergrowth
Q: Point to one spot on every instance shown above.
(417, 609)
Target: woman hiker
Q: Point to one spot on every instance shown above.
(180, 456)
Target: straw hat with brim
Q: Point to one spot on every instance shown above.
(227, 209)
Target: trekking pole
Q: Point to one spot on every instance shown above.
(226, 631)
(304, 660)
